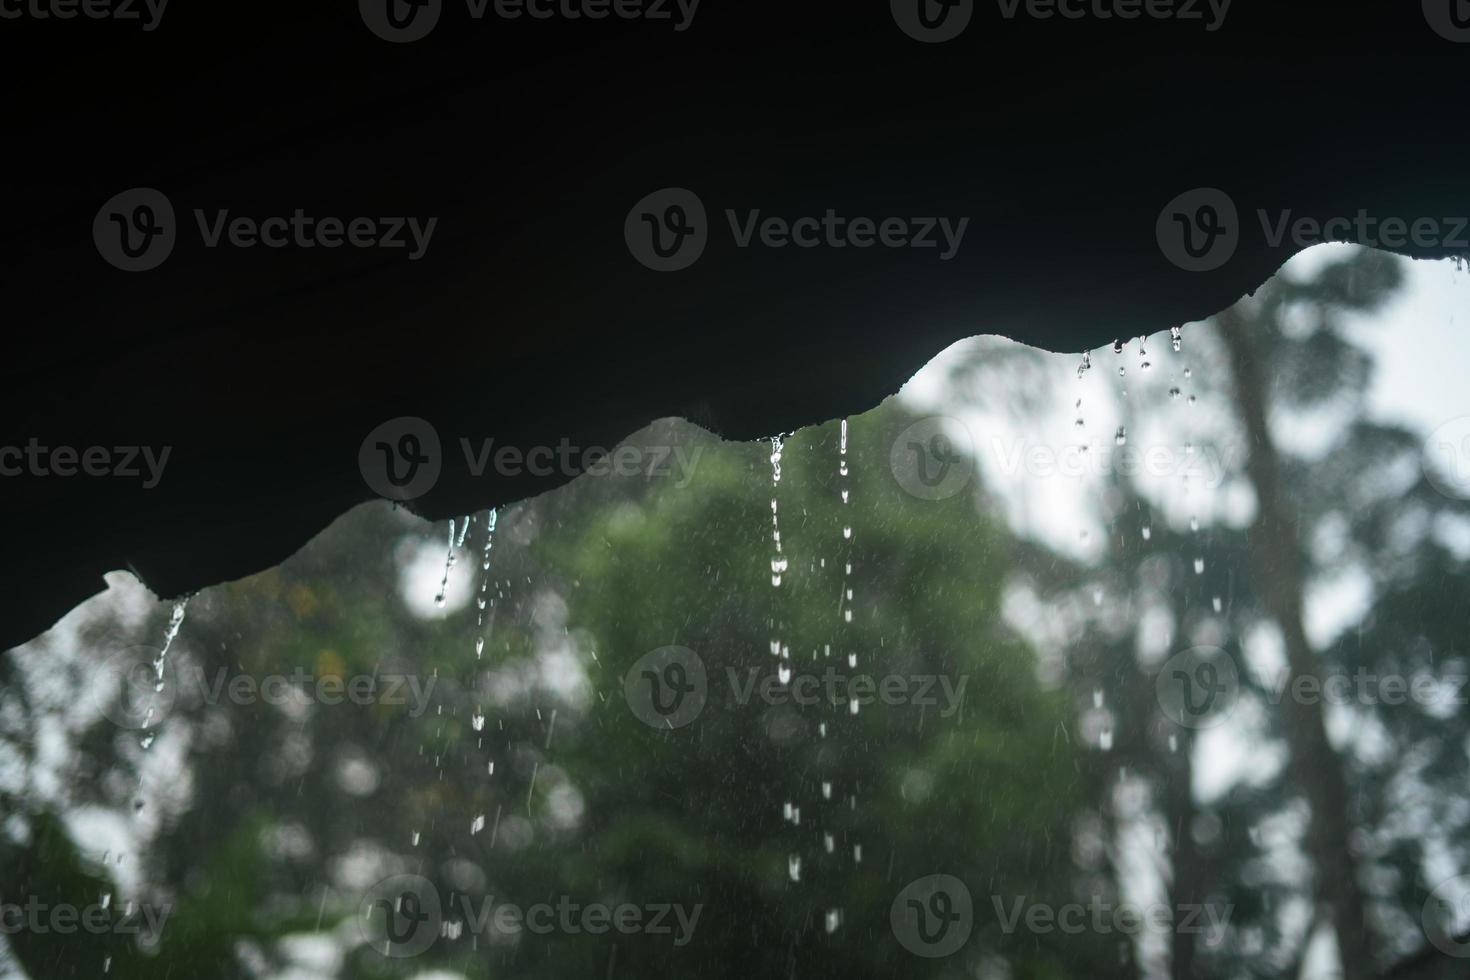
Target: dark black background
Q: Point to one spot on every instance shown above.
(528, 320)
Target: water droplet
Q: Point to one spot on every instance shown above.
(1117, 347)
(1199, 566)
(1217, 603)
(1173, 392)
(1188, 373)
(1122, 437)
(1148, 532)
(1176, 335)
(1085, 365)
(793, 867)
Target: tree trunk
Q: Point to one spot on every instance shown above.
(1315, 765)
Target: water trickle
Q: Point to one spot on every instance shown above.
(492, 517)
(175, 622)
(449, 560)
(778, 560)
(1086, 364)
